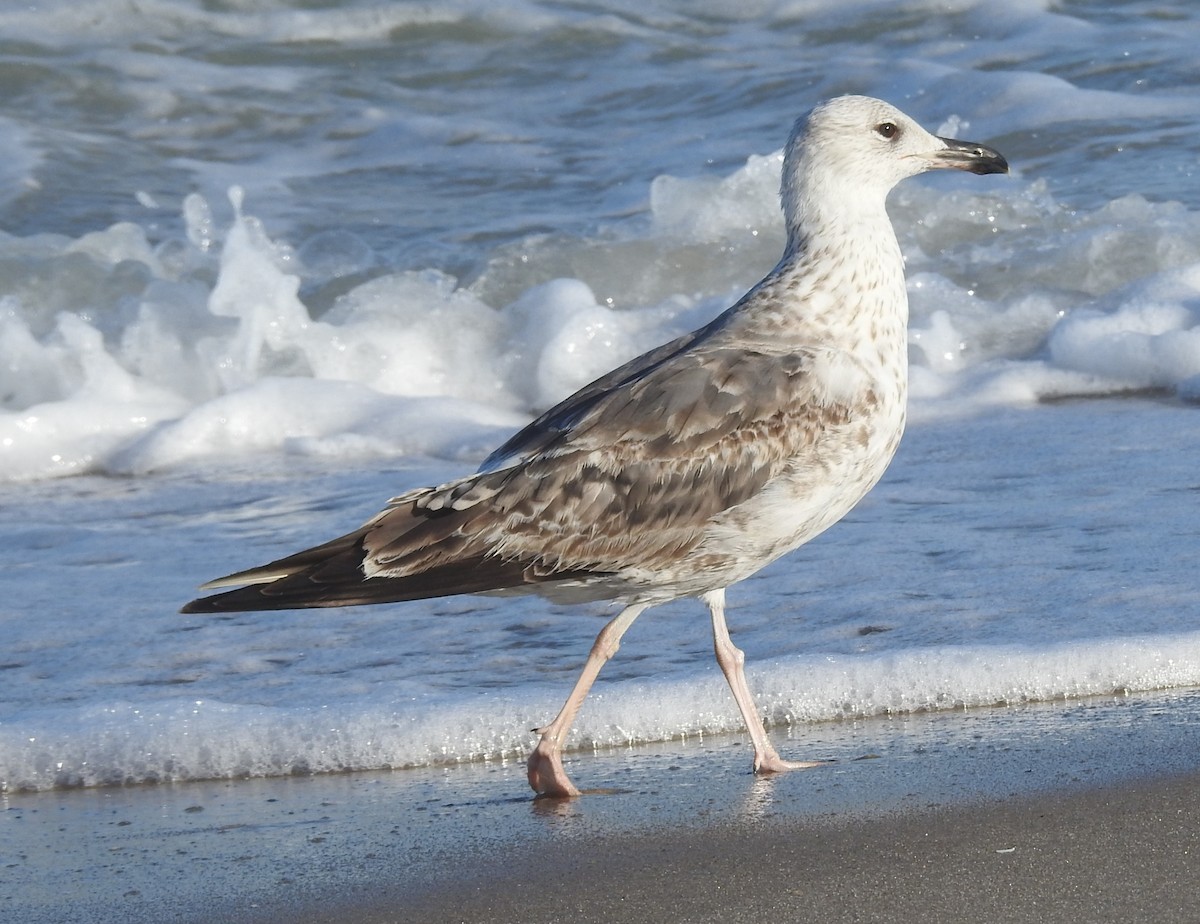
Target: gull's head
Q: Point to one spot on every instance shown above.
(854, 149)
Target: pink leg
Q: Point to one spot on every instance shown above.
(732, 660)
(544, 767)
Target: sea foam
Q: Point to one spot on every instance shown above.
(133, 357)
(177, 740)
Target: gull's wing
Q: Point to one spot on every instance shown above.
(622, 478)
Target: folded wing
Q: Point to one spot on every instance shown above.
(621, 479)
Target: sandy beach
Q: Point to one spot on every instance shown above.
(1079, 811)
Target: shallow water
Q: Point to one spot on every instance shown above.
(444, 220)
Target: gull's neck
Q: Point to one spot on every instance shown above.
(836, 215)
(840, 280)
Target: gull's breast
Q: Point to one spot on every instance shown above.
(823, 481)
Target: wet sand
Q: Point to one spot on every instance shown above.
(1081, 811)
(1124, 854)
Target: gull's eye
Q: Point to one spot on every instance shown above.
(887, 129)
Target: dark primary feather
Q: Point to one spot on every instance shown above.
(338, 580)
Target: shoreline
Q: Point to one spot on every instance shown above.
(1047, 812)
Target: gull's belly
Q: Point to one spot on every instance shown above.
(817, 490)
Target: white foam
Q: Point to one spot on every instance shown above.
(143, 356)
(124, 743)
(213, 372)
(1149, 338)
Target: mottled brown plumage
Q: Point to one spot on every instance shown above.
(690, 467)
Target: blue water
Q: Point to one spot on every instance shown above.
(442, 220)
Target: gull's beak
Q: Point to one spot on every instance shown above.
(967, 155)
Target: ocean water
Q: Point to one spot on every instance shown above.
(266, 263)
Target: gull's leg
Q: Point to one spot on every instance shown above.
(732, 660)
(545, 768)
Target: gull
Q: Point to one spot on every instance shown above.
(693, 466)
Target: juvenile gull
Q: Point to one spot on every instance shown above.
(688, 468)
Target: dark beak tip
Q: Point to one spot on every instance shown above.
(973, 157)
(989, 163)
